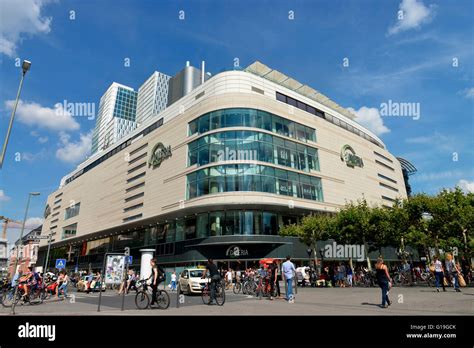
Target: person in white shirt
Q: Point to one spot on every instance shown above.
(439, 273)
(228, 277)
(173, 281)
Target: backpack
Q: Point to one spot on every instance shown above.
(161, 273)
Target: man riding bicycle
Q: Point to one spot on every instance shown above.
(30, 280)
(215, 278)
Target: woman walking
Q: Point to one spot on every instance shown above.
(439, 273)
(384, 281)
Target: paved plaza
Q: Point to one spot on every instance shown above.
(309, 301)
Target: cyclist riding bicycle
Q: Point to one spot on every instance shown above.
(215, 278)
(157, 276)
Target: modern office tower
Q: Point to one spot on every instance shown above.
(152, 97)
(185, 81)
(116, 116)
(219, 172)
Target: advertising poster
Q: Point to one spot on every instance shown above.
(114, 269)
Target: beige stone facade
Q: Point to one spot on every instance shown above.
(104, 192)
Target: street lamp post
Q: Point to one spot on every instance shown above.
(25, 67)
(21, 239)
(45, 269)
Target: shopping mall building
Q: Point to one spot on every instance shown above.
(216, 174)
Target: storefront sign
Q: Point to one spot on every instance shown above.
(159, 154)
(236, 251)
(349, 156)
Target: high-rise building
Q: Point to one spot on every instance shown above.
(116, 117)
(152, 96)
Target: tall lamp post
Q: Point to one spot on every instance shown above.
(25, 67)
(21, 239)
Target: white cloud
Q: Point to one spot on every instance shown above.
(371, 119)
(21, 18)
(3, 196)
(467, 186)
(468, 93)
(41, 139)
(415, 13)
(35, 115)
(73, 152)
(437, 140)
(30, 223)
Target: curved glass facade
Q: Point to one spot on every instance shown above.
(250, 177)
(243, 117)
(251, 145)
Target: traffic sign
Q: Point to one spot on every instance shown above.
(37, 237)
(60, 263)
(129, 259)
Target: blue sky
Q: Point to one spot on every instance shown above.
(426, 57)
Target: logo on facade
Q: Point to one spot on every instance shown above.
(236, 251)
(47, 211)
(349, 156)
(159, 154)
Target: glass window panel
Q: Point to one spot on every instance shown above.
(216, 223)
(233, 118)
(281, 97)
(203, 187)
(204, 123)
(190, 227)
(268, 184)
(179, 230)
(310, 134)
(216, 120)
(170, 230)
(300, 132)
(216, 184)
(247, 222)
(266, 120)
(301, 105)
(291, 101)
(202, 225)
(257, 222)
(269, 223)
(191, 189)
(203, 155)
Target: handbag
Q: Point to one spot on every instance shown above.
(461, 280)
(445, 281)
(432, 268)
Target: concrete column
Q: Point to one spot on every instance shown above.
(145, 267)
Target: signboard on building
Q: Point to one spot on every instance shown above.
(114, 269)
(349, 156)
(234, 251)
(159, 153)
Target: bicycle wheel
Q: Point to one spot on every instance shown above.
(244, 287)
(237, 288)
(205, 296)
(220, 295)
(163, 299)
(142, 300)
(7, 297)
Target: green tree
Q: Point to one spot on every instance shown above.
(310, 230)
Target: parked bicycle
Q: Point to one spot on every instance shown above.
(144, 295)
